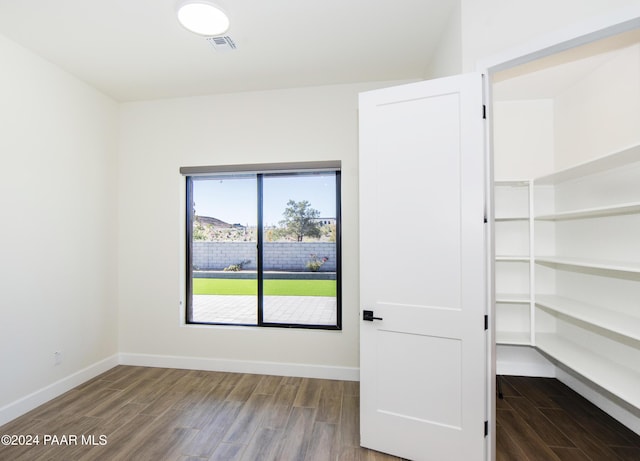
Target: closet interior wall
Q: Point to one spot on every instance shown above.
(567, 220)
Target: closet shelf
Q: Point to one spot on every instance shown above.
(514, 298)
(617, 379)
(625, 208)
(513, 338)
(512, 258)
(619, 266)
(617, 322)
(512, 183)
(511, 218)
(614, 160)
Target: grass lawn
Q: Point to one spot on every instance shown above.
(271, 287)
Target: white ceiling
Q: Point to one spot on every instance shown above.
(135, 49)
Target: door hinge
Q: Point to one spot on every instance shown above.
(486, 428)
(484, 111)
(486, 322)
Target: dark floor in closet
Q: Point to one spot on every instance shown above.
(542, 419)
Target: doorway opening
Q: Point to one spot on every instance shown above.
(566, 193)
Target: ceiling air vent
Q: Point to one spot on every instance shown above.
(225, 43)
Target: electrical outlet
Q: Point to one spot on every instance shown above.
(57, 357)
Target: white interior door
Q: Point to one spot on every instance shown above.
(422, 270)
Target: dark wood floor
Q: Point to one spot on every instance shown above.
(167, 414)
(542, 419)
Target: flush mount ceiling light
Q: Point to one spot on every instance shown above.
(203, 18)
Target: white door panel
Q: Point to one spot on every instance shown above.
(422, 270)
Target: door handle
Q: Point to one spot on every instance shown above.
(368, 315)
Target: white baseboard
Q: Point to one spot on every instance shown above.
(53, 390)
(523, 361)
(623, 412)
(242, 366)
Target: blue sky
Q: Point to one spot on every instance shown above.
(233, 200)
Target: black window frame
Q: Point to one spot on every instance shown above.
(228, 170)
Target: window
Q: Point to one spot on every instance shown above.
(263, 246)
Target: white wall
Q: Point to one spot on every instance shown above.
(600, 113)
(523, 140)
(447, 60)
(596, 113)
(158, 138)
(57, 196)
(492, 27)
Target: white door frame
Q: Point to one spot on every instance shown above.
(598, 28)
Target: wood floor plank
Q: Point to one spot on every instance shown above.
(249, 419)
(281, 406)
(28, 427)
(163, 437)
(292, 380)
(118, 372)
(503, 404)
(221, 391)
(507, 449)
(122, 441)
(74, 428)
(351, 388)
(224, 417)
(196, 386)
(120, 416)
(244, 388)
(350, 421)
(570, 454)
(87, 402)
(203, 443)
(627, 453)
(23, 425)
(163, 444)
(145, 391)
(522, 434)
(172, 376)
(269, 384)
(264, 445)
(308, 393)
(297, 434)
(54, 407)
(595, 420)
(107, 408)
(324, 442)
(582, 439)
(545, 429)
(125, 379)
(507, 388)
(202, 413)
(227, 452)
(330, 401)
(171, 395)
(529, 388)
(349, 453)
(187, 390)
(371, 455)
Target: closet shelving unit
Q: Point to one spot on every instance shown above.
(514, 263)
(589, 320)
